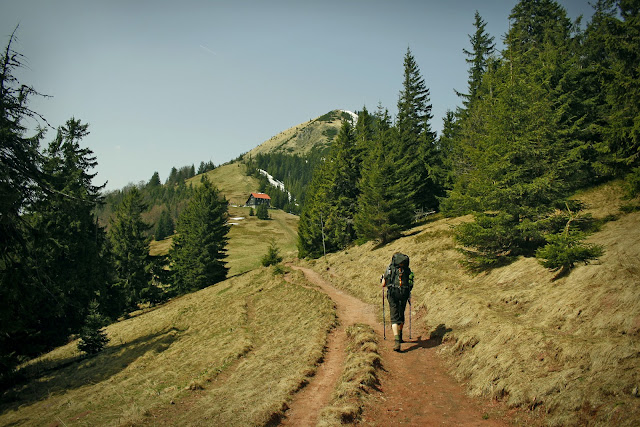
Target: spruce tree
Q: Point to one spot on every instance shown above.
(70, 246)
(93, 337)
(199, 247)
(21, 179)
(262, 212)
(382, 200)
(622, 133)
(165, 226)
(130, 247)
(415, 150)
(155, 180)
(326, 221)
(521, 154)
(482, 48)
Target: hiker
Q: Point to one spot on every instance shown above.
(398, 279)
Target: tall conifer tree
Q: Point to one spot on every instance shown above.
(199, 248)
(382, 202)
(326, 221)
(415, 149)
(482, 48)
(521, 158)
(130, 243)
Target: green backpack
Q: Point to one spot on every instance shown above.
(398, 273)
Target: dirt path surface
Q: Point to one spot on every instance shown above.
(416, 390)
(310, 400)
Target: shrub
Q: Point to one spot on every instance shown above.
(564, 250)
(93, 338)
(262, 212)
(632, 183)
(272, 257)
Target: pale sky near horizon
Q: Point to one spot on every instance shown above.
(168, 83)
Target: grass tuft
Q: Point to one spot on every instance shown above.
(360, 375)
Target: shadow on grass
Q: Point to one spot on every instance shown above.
(47, 377)
(434, 340)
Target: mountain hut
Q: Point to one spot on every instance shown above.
(256, 199)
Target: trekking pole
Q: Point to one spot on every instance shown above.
(409, 317)
(384, 321)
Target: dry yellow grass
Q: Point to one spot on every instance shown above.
(299, 139)
(244, 345)
(359, 376)
(569, 348)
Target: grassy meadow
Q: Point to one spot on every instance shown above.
(231, 354)
(249, 237)
(569, 349)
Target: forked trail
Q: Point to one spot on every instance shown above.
(416, 390)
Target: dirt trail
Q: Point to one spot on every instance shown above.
(416, 390)
(310, 400)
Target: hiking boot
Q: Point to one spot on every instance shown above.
(396, 346)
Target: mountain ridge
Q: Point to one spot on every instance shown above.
(304, 137)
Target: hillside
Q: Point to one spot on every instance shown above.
(238, 340)
(300, 139)
(569, 349)
(566, 350)
(249, 237)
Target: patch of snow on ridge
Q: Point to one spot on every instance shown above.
(274, 182)
(354, 116)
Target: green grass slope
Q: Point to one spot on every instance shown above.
(231, 354)
(249, 237)
(568, 349)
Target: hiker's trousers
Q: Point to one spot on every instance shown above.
(397, 298)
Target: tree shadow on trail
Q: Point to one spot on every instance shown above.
(434, 340)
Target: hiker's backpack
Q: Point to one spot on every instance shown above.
(398, 273)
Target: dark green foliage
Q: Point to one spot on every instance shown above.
(520, 150)
(272, 257)
(330, 134)
(165, 226)
(178, 176)
(262, 212)
(496, 239)
(130, 247)
(199, 248)
(482, 48)
(294, 171)
(384, 208)
(20, 180)
(564, 234)
(564, 250)
(205, 167)
(414, 150)
(93, 337)
(612, 55)
(53, 255)
(154, 181)
(326, 221)
(632, 183)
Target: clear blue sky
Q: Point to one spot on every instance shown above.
(174, 83)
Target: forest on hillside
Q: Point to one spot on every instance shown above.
(554, 112)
